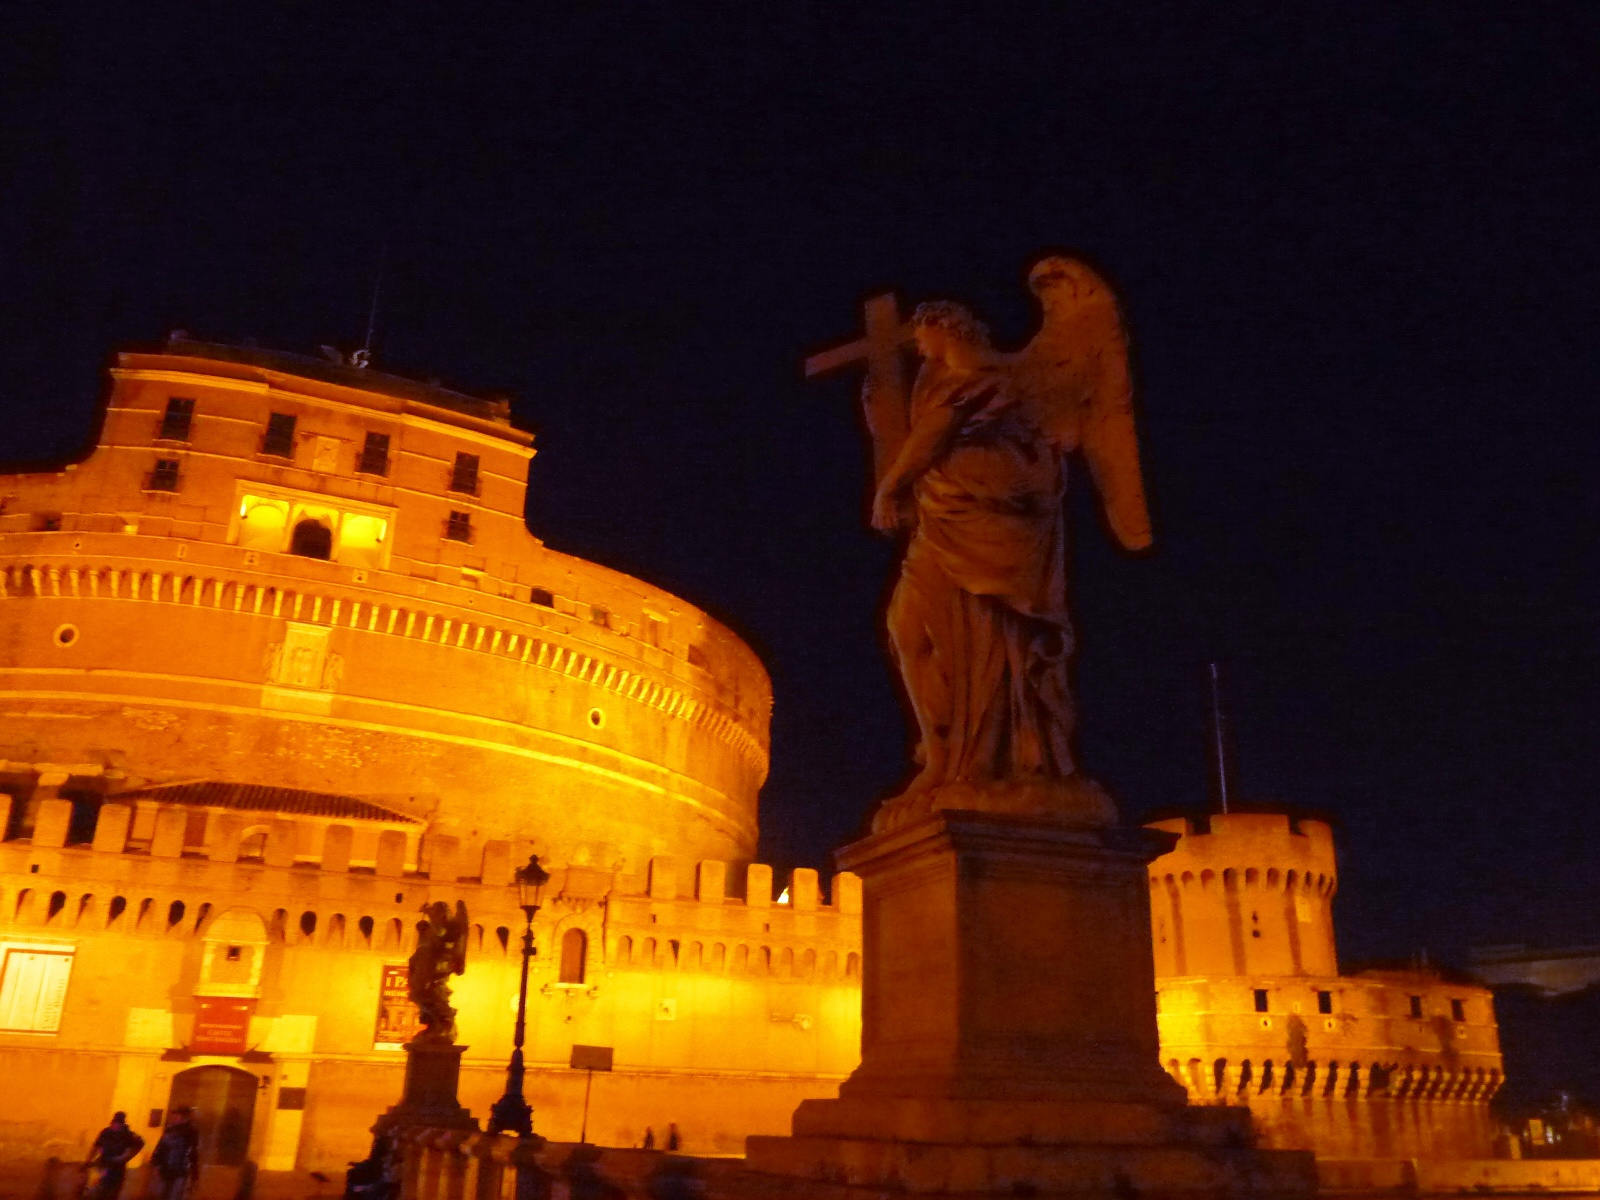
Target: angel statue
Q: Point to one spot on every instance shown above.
(974, 468)
(441, 952)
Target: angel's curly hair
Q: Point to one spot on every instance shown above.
(956, 319)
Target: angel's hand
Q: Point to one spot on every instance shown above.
(888, 514)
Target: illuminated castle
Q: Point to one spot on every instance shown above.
(279, 662)
(1253, 1010)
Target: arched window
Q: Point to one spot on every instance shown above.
(574, 951)
(312, 539)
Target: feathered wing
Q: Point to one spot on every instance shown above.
(1076, 373)
(458, 930)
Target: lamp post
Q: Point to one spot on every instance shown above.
(510, 1113)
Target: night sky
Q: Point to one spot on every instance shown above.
(1358, 247)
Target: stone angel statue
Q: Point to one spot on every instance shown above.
(441, 952)
(975, 472)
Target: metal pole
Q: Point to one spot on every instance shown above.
(510, 1113)
(1216, 725)
(583, 1132)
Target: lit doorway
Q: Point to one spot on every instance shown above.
(224, 1103)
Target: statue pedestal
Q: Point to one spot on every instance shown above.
(433, 1070)
(1009, 1037)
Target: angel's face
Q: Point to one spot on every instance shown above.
(932, 342)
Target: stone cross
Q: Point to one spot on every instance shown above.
(886, 396)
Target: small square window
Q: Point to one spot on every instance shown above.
(279, 441)
(374, 455)
(459, 527)
(1416, 1006)
(1458, 1010)
(1261, 999)
(1324, 1002)
(165, 476)
(600, 615)
(464, 475)
(541, 597)
(175, 422)
(697, 658)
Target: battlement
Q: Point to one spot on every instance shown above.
(150, 870)
(1274, 845)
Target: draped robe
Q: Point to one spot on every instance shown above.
(978, 619)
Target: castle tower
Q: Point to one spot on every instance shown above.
(286, 573)
(1380, 1065)
(1245, 894)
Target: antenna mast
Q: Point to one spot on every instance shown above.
(372, 312)
(1216, 730)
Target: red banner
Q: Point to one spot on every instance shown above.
(221, 1026)
(398, 1018)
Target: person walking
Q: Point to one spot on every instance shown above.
(176, 1158)
(112, 1149)
(672, 1138)
(649, 1138)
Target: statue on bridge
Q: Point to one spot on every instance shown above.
(972, 467)
(441, 952)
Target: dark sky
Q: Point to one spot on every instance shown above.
(1358, 247)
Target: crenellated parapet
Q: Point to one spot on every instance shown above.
(355, 881)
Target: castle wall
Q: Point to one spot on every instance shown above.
(723, 1011)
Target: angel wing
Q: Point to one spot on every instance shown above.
(1075, 374)
(458, 939)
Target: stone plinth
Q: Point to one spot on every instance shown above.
(1009, 1027)
(433, 1071)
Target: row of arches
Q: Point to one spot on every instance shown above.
(1226, 1082)
(261, 600)
(1292, 880)
(164, 917)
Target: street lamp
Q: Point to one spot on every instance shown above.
(510, 1113)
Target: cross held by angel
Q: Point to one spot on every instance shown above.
(972, 465)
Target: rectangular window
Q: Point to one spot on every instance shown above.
(1458, 1010)
(464, 476)
(1416, 1006)
(1261, 999)
(459, 527)
(1324, 1002)
(33, 986)
(176, 420)
(165, 477)
(600, 615)
(541, 597)
(374, 455)
(280, 435)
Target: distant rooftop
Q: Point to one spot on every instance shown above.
(343, 374)
(255, 797)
